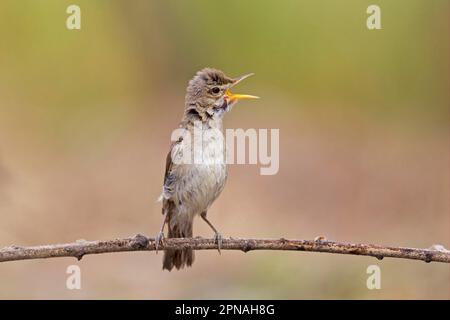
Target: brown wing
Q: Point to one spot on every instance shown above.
(169, 178)
(169, 162)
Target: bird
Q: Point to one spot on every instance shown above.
(190, 187)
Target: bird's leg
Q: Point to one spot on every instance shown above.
(160, 237)
(217, 235)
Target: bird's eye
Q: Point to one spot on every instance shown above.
(215, 90)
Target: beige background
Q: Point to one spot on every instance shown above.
(86, 116)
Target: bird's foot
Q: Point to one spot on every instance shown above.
(320, 239)
(159, 239)
(218, 239)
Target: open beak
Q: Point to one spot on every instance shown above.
(232, 97)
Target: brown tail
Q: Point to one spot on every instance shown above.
(178, 258)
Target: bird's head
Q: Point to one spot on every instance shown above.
(208, 93)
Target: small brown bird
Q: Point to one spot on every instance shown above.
(190, 187)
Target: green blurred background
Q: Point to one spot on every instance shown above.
(86, 118)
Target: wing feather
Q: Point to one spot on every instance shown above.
(169, 176)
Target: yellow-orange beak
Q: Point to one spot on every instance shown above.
(237, 96)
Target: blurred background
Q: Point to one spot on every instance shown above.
(86, 118)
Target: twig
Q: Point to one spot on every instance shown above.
(141, 243)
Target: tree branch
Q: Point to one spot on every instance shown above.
(140, 243)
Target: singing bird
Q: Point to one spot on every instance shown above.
(190, 187)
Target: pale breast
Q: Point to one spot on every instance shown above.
(197, 185)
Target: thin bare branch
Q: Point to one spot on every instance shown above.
(141, 243)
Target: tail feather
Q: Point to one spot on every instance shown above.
(178, 258)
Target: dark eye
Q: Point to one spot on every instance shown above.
(215, 90)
